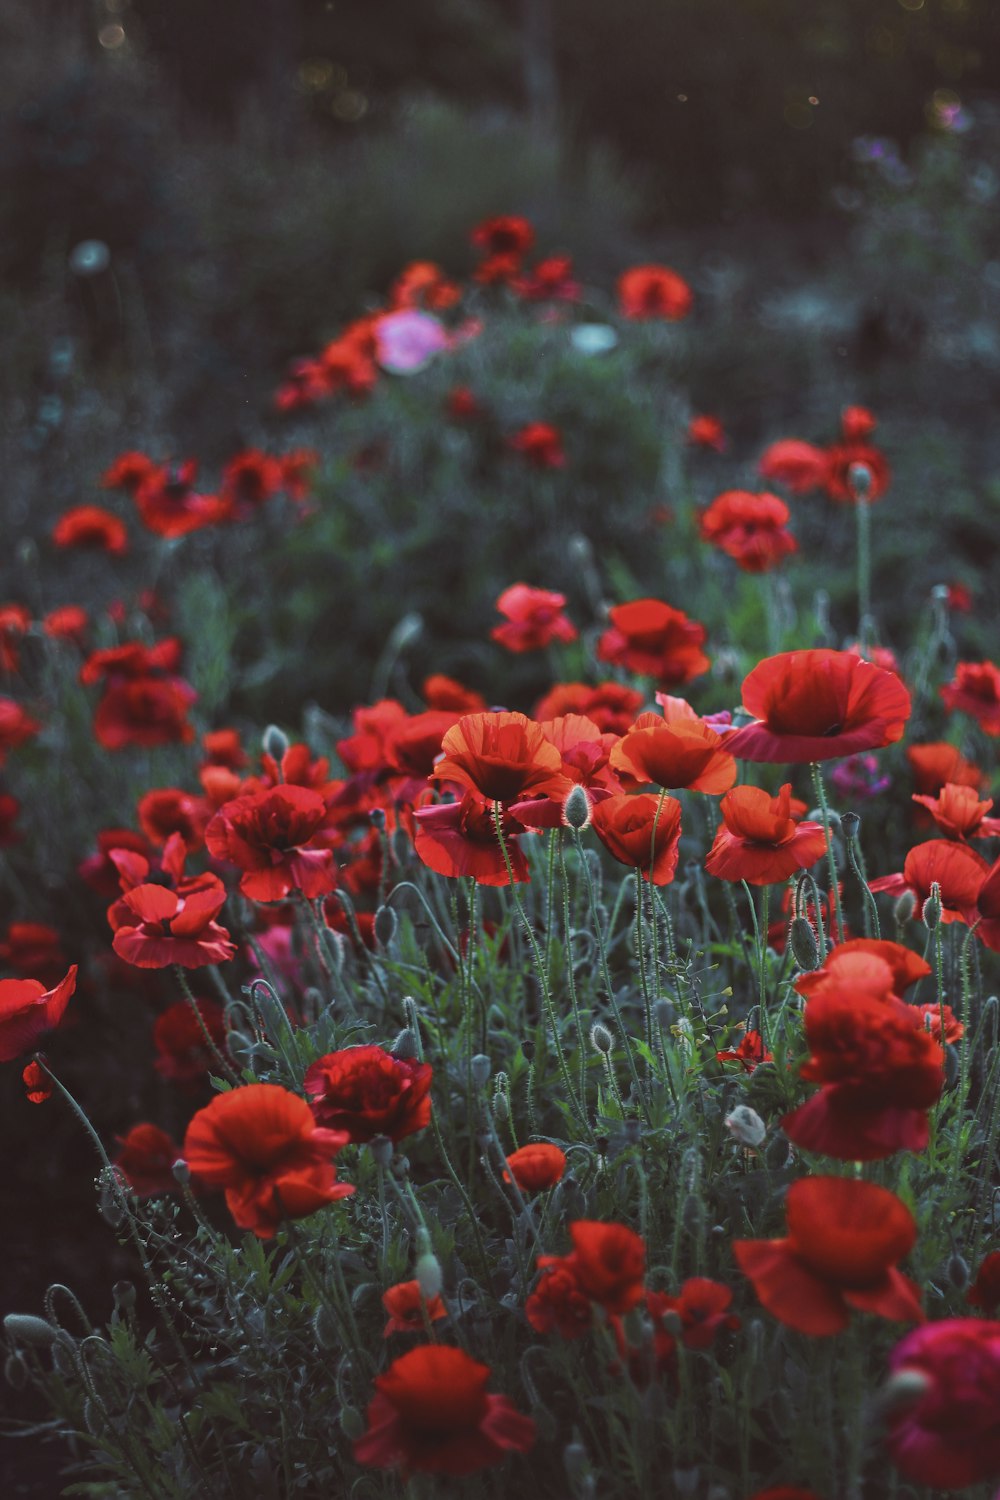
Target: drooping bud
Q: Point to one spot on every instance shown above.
(746, 1126)
(428, 1271)
(181, 1172)
(958, 1272)
(802, 941)
(24, 1328)
(481, 1070)
(385, 925)
(405, 1045)
(274, 742)
(905, 906)
(576, 808)
(903, 1388)
(352, 1423)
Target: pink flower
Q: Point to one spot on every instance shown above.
(947, 1434)
(407, 341)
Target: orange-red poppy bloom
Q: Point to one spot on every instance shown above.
(28, 1010)
(423, 284)
(91, 526)
(608, 1261)
(609, 705)
(677, 751)
(145, 1158)
(536, 1167)
(16, 726)
(936, 763)
(431, 1415)
(127, 472)
(625, 826)
(169, 505)
(407, 1308)
(460, 838)
(960, 813)
(856, 423)
(701, 1310)
(975, 690)
(502, 756)
(859, 962)
(751, 529)
(155, 927)
(67, 623)
(840, 479)
(760, 841)
(443, 692)
(958, 870)
(799, 466)
(750, 1052)
(249, 479)
(558, 1304)
(707, 432)
(505, 234)
(844, 1240)
(653, 292)
(654, 640)
(534, 618)
(261, 1144)
(551, 280)
(279, 839)
(818, 705)
(541, 445)
(365, 1091)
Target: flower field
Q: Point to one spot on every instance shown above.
(503, 900)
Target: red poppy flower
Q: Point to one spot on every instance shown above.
(585, 752)
(760, 841)
(28, 1010)
(609, 705)
(558, 1305)
(609, 1263)
(844, 1239)
(535, 618)
(840, 482)
(700, 1310)
(799, 466)
(145, 1158)
(653, 292)
(35, 949)
(751, 1052)
(956, 869)
(431, 1415)
(625, 824)
(959, 812)
(856, 423)
(16, 726)
(156, 927)
(751, 529)
(298, 469)
(880, 1073)
(278, 839)
(552, 280)
(14, 621)
(67, 623)
(677, 751)
(442, 692)
(947, 1435)
(654, 640)
(10, 809)
(411, 748)
(959, 598)
(169, 809)
(462, 404)
(407, 1307)
(985, 1290)
(937, 762)
(459, 838)
(182, 1054)
(506, 234)
(249, 479)
(144, 711)
(707, 432)
(365, 1091)
(223, 747)
(851, 963)
(91, 526)
(422, 284)
(818, 705)
(536, 1167)
(127, 472)
(541, 445)
(502, 756)
(975, 690)
(37, 1084)
(261, 1144)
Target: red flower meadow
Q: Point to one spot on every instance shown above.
(751, 529)
(261, 1144)
(844, 1239)
(653, 292)
(431, 1415)
(365, 1091)
(818, 705)
(535, 618)
(654, 640)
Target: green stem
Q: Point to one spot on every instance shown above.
(227, 1069)
(831, 858)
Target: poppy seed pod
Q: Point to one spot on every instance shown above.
(851, 824)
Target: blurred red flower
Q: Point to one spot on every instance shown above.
(760, 841)
(985, 1290)
(9, 811)
(654, 640)
(696, 1316)
(818, 705)
(261, 1144)
(856, 423)
(423, 284)
(443, 692)
(946, 1434)
(935, 763)
(37, 1084)
(541, 445)
(625, 824)
(14, 621)
(279, 839)
(16, 726)
(91, 526)
(407, 1308)
(799, 466)
(462, 404)
(169, 505)
(653, 292)
(431, 1415)
(558, 1304)
(841, 484)
(751, 529)
(535, 618)
(609, 1263)
(145, 1158)
(28, 1010)
(182, 1054)
(975, 690)
(365, 1091)
(844, 1239)
(707, 432)
(249, 479)
(959, 812)
(536, 1167)
(958, 870)
(67, 623)
(505, 234)
(861, 963)
(610, 705)
(128, 472)
(33, 948)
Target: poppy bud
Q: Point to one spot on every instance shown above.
(405, 1046)
(859, 477)
(802, 941)
(746, 1125)
(958, 1272)
(930, 913)
(429, 1277)
(528, 1049)
(481, 1069)
(850, 823)
(274, 742)
(181, 1172)
(905, 906)
(777, 1152)
(501, 1104)
(382, 1149)
(903, 1388)
(28, 1329)
(377, 818)
(385, 926)
(576, 809)
(601, 1039)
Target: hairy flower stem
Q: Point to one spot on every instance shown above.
(543, 978)
(856, 861)
(581, 1039)
(863, 516)
(831, 858)
(468, 1205)
(760, 935)
(226, 1067)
